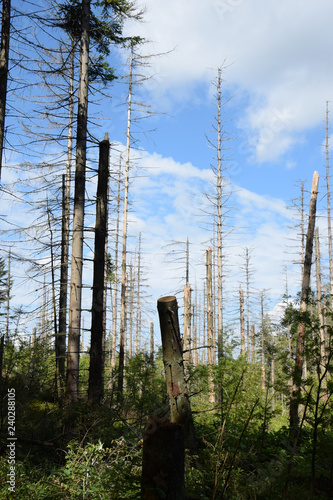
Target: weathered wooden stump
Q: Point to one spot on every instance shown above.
(163, 461)
(180, 408)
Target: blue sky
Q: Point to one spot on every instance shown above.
(278, 75)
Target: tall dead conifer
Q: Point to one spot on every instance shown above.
(4, 59)
(73, 352)
(96, 369)
(299, 361)
(329, 222)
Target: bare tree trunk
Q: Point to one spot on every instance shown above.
(209, 287)
(138, 301)
(273, 381)
(151, 356)
(253, 344)
(180, 408)
(96, 369)
(242, 328)
(204, 318)
(187, 326)
(163, 460)
(302, 225)
(219, 224)
(247, 275)
(2, 346)
(115, 293)
(4, 58)
(66, 192)
(123, 258)
(58, 381)
(73, 353)
(297, 377)
(329, 224)
(195, 330)
(322, 361)
(263, 369)
(8, 298)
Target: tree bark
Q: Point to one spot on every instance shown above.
(297, 376)
(115, 293)
(163, 461)
(322, 359)
(73, 353)
(210, 353)
(241, 313)
(263, 363)
(96, 369)
(187, 326)
(123, 255)
(4, 58)
(329, 224)
(180, 408)
(219, 180)
(66, 191)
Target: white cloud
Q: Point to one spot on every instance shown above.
(276, 53)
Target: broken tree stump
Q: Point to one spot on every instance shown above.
(163, 461)
(180, 408)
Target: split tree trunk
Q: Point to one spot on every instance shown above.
(180, 408)
(96, 369)
(299, 362)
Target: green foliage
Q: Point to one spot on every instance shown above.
(244, 446)
(90, 471)
(106, 28)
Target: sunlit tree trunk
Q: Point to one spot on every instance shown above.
(297, 376)
(115, 285)
(63, 295)
(180, 408)
(73, 352)
(241, 313)
(123, 255)
(329, 223)
(187, 326)
(322, 361)
(263, 368)
(209, 290)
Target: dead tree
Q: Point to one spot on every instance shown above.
(4, 57)
(96, 369)
(241, 318)
(187, 326)
(180, 408)
(163, 460)
(73, 352)
(297, 375)
(322, 358)
(65, 237)
(209, 291)
(329, 223)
